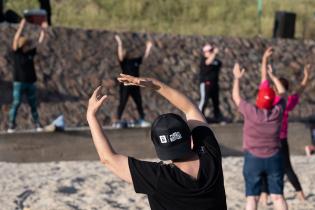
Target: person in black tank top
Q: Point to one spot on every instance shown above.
(131, 66)
(24, 75)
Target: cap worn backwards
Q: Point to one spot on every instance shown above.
(170, 135)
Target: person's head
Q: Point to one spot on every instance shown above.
(171, 137)
(285, 83)
(265, 98)
(208, 50)
(130, 53)
(24, 43)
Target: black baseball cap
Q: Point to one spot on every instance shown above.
(170, 135)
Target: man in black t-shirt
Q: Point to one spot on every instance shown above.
(209, 80)
(24, 75)
(193, 179)
(131, 66)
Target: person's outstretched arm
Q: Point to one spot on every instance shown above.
(264, 63)
(18, 34)
(193, 115)
(147, 49)
(305, 79)
(42, 33)
(117, 163)
(120, 49)
(280, 89)
(238, 73)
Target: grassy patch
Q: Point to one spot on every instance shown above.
(202, 17)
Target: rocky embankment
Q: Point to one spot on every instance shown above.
(72, 62)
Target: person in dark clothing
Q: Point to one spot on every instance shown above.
(209, 80)
(45, 5)
(1, 11)
(193, 179)
(24, 75)
(130, 66)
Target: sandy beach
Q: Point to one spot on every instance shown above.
(87, 185)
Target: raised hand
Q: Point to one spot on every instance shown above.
(216, 50)
(44, 25)
(307, 69)
(237, 71)
(268, 52)
(149, 44)
(95, 102)
(128, 80)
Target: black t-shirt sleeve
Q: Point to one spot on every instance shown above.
(204, 137)
(144, 175)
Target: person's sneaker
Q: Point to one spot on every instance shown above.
(38, 127)
(117, 124)
(142, 123)
(131, 124)
(11, 129)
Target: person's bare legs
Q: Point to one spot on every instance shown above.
(279, 202)
(263, 198)
(251, 202)
(300, 195)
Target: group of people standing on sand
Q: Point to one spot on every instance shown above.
(24, 51)
(194, 177)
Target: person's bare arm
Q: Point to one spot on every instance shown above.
(305, 79)
(264, 63)
(238, 73)
(120, 49)
(193, 115)
(280, 89)
(42, 33)
(117, 163)
(18, 34)
(147, 49)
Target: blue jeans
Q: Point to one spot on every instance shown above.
(19, 89)
(254, 170)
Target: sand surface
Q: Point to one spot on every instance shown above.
(87, 185)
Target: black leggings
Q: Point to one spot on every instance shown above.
(206, 92)
(124, 93)
(288, 170)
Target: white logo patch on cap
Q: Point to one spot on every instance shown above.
(163, 139)
(175, 136)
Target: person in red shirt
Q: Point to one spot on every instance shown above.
(262, 123)
(293, 100)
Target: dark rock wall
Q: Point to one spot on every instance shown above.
(72, 62)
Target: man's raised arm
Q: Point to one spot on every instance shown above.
(264, 63)
(305, 79)
(193, 115)
(120, 49)
(117, 163)
(18, 34)
(147, 49)
(238, 73)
